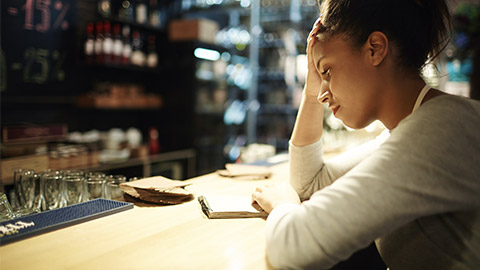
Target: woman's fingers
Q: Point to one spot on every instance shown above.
(268, 197)
(313, 35)
(313, 80)
(258, 192)
(260, 189)
(315, 27)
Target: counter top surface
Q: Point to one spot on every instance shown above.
(154, 237)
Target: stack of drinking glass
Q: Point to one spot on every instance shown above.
(52, 189)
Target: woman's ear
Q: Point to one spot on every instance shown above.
(377, 47)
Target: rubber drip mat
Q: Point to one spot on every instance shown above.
(28, 226)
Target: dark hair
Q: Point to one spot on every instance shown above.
(420, 29)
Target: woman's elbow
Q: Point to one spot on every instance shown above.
(290, 248)
(291, 259)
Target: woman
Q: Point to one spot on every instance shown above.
(417, 194)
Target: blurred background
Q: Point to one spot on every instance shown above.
(172, 87)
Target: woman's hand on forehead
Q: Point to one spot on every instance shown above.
(313, 79)
(316, 27)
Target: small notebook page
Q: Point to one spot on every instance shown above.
(227, 206)
(224, 203)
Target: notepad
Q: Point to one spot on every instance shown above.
(219, 206)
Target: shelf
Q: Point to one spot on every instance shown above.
(144, 26)
(116, 109)
(44, 100)
(188, 154)
(125, 68)
(211, 113)
(218, 9)
(108, 102)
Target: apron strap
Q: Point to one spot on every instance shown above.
(421, 96)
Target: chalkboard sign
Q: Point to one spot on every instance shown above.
(37, 46)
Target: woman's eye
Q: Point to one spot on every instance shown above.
(326, 72)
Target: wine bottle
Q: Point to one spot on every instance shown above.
(127, 47)
(138, 56)
(141, 12)
(117, 44)
(125, 12)
(90, 43)
(99, 57)
(155, 14)
(152, 57)
(107, 43)
(104, 7)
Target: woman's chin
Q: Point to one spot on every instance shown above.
(356, 125)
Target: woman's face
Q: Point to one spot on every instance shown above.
(349, 78)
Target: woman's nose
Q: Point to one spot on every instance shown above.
(323, 97)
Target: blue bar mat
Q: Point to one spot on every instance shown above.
(24, 227)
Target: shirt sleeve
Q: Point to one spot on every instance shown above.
(415, 173)
(309, 172)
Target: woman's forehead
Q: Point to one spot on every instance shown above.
(326, 44)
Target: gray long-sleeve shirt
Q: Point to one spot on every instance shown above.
(417, 195)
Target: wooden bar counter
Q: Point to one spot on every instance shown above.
(154, 237)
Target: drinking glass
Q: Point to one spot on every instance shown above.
(6, 212)
(39, 202)
(24, 183)
(112, 187)
(96, 174)
(95, 187)
(52, 189)
(74, 188)
(74, 173)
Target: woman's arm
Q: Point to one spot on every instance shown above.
(309, 173)
(309, 123)
(405, 179)
(307, 130)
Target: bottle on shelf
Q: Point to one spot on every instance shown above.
(125, 12)
(141, 12)
(153, 144)
(99, 57)
(152, 57)
(117, 44)
(127, 47)
(104, 7)
(107, 43)
(138, 55)
(155, 16)
(90, 43)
